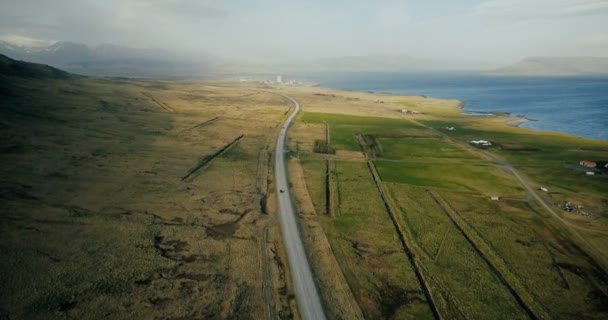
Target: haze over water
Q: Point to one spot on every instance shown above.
(574, 105)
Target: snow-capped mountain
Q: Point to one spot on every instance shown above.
(105, 59)
(25, 43)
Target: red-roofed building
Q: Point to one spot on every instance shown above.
(588, 164)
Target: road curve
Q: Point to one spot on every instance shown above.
(307, 296)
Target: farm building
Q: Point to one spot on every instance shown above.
(481, 143)
(588, 164)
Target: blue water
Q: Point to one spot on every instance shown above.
(574, 105)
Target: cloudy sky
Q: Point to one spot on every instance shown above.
(478, 32)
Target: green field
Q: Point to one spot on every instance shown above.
(343, 128)
(479, 178)
(551, 267)
(403, 148)
(478, 256)
(364, 242)
(476, 292)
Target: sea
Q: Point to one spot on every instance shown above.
(575, 105)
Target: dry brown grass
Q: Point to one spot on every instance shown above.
(96, 221)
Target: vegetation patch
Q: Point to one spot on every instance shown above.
(321, 146)
(483, 179)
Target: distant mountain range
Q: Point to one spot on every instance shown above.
(360, 63)
(105, 59)
(113, 60)
(556, 66)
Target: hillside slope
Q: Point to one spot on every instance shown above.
(10, 67)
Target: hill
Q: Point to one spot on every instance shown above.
(10, 67)
(556, 66)
(106, 59)
(361, 63)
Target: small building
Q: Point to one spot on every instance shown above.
(450, 128)
(544, 189)
(279, 79)
(590, 173)
(404, 111)
(587, 163)
(416, 112)
(481, 143)
(495, 198)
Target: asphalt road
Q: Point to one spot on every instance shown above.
(307, 296)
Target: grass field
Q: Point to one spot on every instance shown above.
(402, 148)
(96, 220)
(551, 267)
(154, 199)
(476, 292)
(364, 243)
(343, 128)
(483, 179)
(503, 259)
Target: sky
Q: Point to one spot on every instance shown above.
(477, 33)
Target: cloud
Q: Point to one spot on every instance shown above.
(190, 9)
(530, 9)
(393, 15)
(134, 22)
(269, 30)
(596, 40)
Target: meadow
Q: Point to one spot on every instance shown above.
(154, 199)
(480, 258)
(98, 218)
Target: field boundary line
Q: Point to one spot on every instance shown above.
(267, 291)
(164, 106)
(533, 314)
(202, 124)
(445, 235)
(406, 248)
(327, 189)
(207, 159)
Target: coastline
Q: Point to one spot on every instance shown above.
(513, 121)
(518, 121)
(555, 104)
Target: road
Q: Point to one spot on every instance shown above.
(307, 296)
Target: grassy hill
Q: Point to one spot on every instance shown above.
(10, 67)
(96, 219)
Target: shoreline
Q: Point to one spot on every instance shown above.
(519, 121)
(516, 122)
(581, 124)
(510, 120)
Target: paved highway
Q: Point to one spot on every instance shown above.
(307, 296)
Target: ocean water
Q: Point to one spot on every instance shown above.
(574, 105)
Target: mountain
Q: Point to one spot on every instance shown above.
(106, 59)
(357, 64)
(556, 66)
(10, 67)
